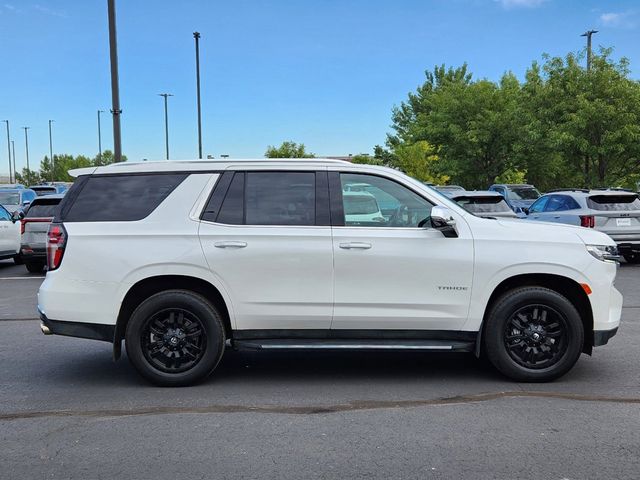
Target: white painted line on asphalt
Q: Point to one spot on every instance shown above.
(21, 278)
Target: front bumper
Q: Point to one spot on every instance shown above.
(601, 337)
(93, 331)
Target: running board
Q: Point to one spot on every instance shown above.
(353, 344)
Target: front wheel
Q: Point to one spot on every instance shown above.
(175, 338)
(533, 334)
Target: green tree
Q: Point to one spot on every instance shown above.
(420, 160)
(288, 150)
(27, 178)
(366, 160)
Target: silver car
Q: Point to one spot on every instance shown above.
(614, 212)
(483, 203)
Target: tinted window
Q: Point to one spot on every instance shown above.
(559, 203)
(4, 215)
(372, 201)
(43, 208)
(232, 210)
(538, 206)
(120, 197)
(280, 198)
(614, 202)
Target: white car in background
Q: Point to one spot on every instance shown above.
(9, 236)
(196, 257)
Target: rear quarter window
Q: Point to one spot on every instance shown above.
(117, 198)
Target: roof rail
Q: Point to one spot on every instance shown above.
(555, 190)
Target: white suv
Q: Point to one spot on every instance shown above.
(184, 259)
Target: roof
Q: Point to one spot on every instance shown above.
(587, 193)
(200, 165)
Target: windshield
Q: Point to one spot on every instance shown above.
(523, 193)
(9, 198)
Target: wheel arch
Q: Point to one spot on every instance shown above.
(149, 286)
(565, 286)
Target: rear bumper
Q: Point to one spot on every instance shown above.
(601, 337)
(29, 252)
(93, 331)
(628, 247)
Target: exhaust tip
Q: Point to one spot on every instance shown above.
(46, 330)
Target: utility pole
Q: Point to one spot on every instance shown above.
(115, 92)
(9, 151)
(196, 36)
(53, 177)
(26, 145)
(588, 34)
(166, 122)
(13, 147)
(99, 139)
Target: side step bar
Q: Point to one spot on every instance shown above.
(353, 344)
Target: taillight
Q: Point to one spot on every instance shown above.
(588, 221)
(56, 243)
(22, 222)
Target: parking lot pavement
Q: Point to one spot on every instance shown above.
(68, 411)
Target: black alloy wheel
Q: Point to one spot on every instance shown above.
(536, 336)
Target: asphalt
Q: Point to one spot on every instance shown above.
(68, 411)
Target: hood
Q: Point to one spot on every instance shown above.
(552, 232)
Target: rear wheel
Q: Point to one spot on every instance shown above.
(17, 259)
(632, 257)
(34, 267)
(175, 338)
(533, 334)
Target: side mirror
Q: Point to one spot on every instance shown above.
(442, 219)
(17, 216)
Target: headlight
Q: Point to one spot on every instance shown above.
(606, 253)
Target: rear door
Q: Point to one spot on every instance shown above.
(266, 237)
(9, 234)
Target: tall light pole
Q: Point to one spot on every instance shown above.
(26, 145)
(166, 122)
(9, 150)
(115, 91)
(13, 147)
(196, 36)
(53, 177)
(99, 138)
(588, 34)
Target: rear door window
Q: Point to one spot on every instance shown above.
(612, 203)
(120, 198)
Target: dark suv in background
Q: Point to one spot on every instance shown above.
(518, 196)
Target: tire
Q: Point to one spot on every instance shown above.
(17, 259)
(633, 258)
(175, 338)
(34, 267)
(526, 344)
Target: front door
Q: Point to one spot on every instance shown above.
(269, 244)
(9, 233)
(392, 271)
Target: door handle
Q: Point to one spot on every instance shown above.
(355, 246)
(230, 244)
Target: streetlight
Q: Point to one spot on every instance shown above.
(115, 90)
(13, 147)
(196, 36)
(9, 151)
(166, 122)
(588, 34)
(99, 139)
(53, 177)
(26, 145)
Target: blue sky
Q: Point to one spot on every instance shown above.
(326, 73)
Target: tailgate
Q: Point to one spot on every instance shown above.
(617, 214)
(35, 231)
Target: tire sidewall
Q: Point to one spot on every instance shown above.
(506, 307)
(212, 326)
